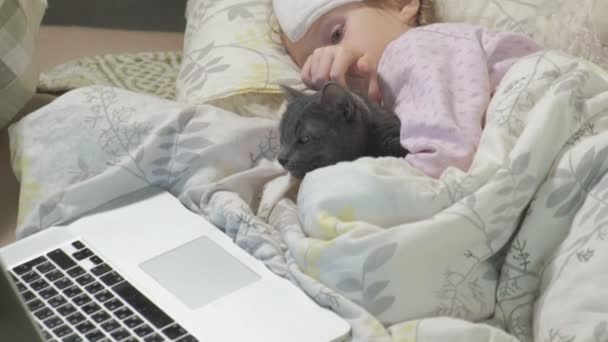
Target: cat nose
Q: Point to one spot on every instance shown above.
(282, 160)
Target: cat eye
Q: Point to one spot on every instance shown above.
(304, 139)
(337, 34)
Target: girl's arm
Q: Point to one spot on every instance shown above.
(439, 80)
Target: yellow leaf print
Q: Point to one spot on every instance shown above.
(313, 255)
(375, 328)
(253, 38)
(29, 193)
(331, 226)
(405, 332)
(264, 71)
(226, 172)
(261, 74)
(347, 214)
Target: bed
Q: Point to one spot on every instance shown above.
(512, 250)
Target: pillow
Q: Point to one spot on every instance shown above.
(578, 27)
(19, 23)
(152, 73)
(231, 59)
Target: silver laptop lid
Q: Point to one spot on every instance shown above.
(15, 321)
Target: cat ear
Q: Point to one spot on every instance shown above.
(290, 93)
(336, 95)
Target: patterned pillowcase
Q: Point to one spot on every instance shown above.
(232, 59)
(576, 26)
(19, 23)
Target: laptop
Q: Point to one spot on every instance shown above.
(144, 268)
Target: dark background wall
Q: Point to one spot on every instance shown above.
(156, 15)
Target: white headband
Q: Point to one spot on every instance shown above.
(296, 16)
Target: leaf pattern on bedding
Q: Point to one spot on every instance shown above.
(218, 63)
(181, 144)
(577, 182)
(406, 257)
(361, 291)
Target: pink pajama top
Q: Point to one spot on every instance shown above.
(439, 80)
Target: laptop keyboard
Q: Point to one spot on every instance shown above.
(75, 296)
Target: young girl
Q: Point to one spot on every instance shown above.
(437, 78)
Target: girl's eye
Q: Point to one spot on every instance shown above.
(337, 35)
(304, 139)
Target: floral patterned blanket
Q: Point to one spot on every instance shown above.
(513, 250)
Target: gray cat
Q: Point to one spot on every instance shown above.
(334, 125)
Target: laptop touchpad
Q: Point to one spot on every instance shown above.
(198, 272)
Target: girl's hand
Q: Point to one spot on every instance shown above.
(336, 63)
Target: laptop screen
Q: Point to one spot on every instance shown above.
(15, 321)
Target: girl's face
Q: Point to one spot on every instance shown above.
(358, 26)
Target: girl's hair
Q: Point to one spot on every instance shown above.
(425, 16)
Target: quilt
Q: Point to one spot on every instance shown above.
(515, 249)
